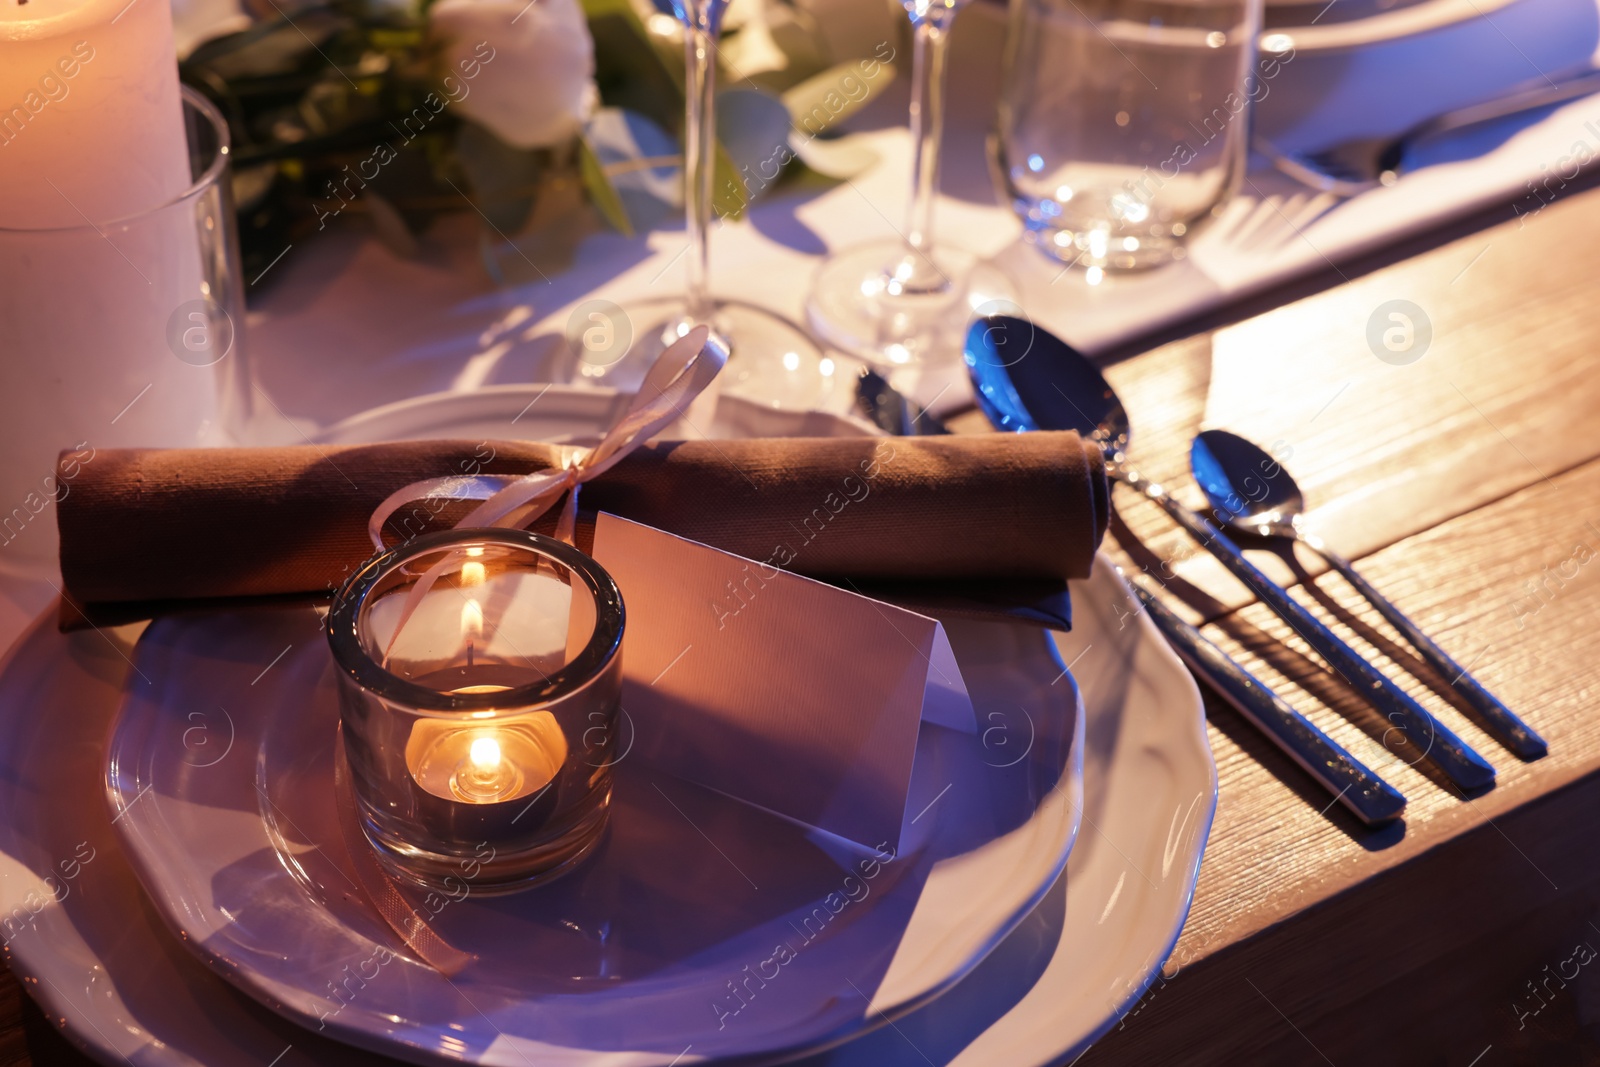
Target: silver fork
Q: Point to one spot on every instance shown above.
(1362, 163)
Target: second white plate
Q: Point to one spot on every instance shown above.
(660, 949)
(98, 959)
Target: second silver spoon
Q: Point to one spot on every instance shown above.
(1252, 493)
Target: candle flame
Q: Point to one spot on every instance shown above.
(484, 753)
(472, 573)
(471, 620)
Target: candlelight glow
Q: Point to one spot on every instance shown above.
(486, 764)
(485, 753)
(471, 620)
(472, 573)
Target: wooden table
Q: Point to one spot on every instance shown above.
(1466, 485)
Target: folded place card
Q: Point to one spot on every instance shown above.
(780, 691)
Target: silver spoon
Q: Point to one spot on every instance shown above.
(1251, 492)
(1027, 379)
(1368, 797)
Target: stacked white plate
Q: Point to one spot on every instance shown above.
(206, 914)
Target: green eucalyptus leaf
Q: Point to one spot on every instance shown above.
(818, 105)
(729, 194)
(488, 255)
(624, 9)
(642, 161)
(272, 49)
(602, 194)
(835, 158)
(795, 33)
(629, 71)
(753, 129)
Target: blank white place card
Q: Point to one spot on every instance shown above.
(778, 690)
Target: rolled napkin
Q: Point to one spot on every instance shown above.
(147, 530)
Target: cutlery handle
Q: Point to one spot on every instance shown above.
(1542, 93)
(1517, 735)
(1452, 755)
(1353, 784)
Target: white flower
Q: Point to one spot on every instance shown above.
(850, 29)
(525, 70)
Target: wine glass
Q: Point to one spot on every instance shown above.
(770, 358)
(897, 302)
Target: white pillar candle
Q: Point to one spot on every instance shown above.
(111, 271)
(91, 125)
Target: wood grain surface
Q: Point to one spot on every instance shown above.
(1467, 486)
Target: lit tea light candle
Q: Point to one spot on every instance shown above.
(471, 629)
(519, 621)
(492, 759)
(494, 763)
(480, 704)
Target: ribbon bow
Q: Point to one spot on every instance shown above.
(678, 375)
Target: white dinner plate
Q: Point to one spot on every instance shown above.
(1307, 26)
(1091, 948)
(562, 413)
(95, 954)
(628, 960)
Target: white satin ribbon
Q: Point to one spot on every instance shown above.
(510, 501)
(679, 375)
(396, 909)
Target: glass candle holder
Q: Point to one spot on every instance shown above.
(121, 332)
(480, 676)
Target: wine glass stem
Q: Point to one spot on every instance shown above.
(699, 152)
(930, 39)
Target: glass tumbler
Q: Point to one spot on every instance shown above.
(1124, 124)
(118, 333)
(480, 679)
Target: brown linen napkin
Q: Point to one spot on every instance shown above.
(146, 530)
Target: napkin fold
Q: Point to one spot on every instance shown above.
(149, 530)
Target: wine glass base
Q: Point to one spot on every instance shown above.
(857, 306)
(1100, 247)
(770, 359)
